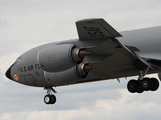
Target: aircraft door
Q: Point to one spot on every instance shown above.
(29, 79)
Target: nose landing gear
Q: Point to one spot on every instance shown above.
(50, 98)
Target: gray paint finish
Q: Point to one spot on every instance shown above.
(110, 56)
(100, 53)
(147, 40)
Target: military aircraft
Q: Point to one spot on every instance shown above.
(100, 53)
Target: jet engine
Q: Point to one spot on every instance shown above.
(69, 76)
(60, 57)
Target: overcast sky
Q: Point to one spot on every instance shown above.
(25, 24)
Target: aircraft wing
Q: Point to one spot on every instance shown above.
(95, 29)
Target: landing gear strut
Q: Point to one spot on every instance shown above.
(50, 98)
(143, 84)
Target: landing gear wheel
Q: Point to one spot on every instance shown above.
(155, 84)
(47, 99)
(50, 99)
(139, 89)
(53, 99)
(132, 86)
(146, 84)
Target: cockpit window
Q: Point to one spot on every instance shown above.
(18, 60)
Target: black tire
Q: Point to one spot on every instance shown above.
(132, 86)
(146, 84)
(53, 99)
(155, 84)
(47, 99)
(140, 89)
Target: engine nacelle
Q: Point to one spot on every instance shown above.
(60, 57)
(69, 76)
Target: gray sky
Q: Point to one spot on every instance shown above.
(25, 24)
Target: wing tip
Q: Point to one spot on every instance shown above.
(90, 20)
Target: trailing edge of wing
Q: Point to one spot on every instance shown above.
(95, 29)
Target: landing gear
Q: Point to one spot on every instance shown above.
(134, 86)
(50, 98)
(155, 84)
(145, 84)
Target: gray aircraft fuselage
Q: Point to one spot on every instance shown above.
(148, 41)
(79, 61)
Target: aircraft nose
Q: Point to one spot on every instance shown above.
(8, 73)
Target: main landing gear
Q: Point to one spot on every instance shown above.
(142, 84)
(145, 84)
(50, 98)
